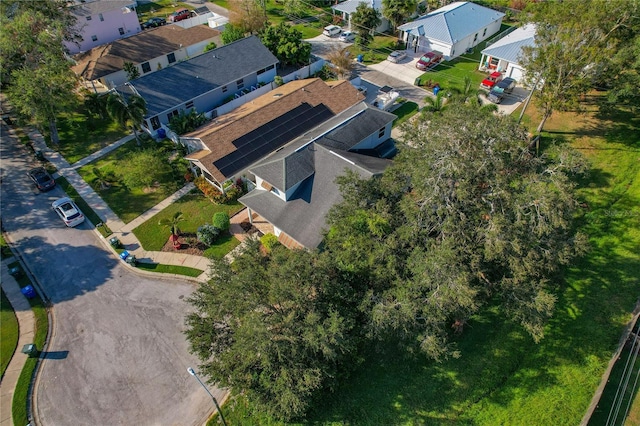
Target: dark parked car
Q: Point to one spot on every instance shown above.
(499, 90)
(41, 178)
(154, 22)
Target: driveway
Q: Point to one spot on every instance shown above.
(404, 70)
(116, 353)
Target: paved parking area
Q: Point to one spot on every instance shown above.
(404, 70)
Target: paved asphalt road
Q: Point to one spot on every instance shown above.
(117, 354)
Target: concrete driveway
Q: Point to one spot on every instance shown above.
(116, 355)
(404, 70)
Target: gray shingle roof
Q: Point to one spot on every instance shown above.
(509, 48)
(453, 22)
(167, 88)
(303, 217)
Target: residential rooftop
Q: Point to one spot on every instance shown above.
(142, 47)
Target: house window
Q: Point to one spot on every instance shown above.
(240, 83)
(121, 31)
(189, 105)
(88, 18)
(173, 113)
(155, 123)
(224, 89)
(94, 37)
(262, 71)
(171, 57)
(101, 17)
(381, 132)
(146, 67)
(484, 33)
(475, 37)
(275, 191)
(493, 63)
(270, 67)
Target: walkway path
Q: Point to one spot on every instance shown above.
(121, 230)
(26, 324)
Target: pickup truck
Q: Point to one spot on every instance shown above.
(491, 80)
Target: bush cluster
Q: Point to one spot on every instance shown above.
(232, 192)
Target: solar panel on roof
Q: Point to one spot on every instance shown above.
(271, 136)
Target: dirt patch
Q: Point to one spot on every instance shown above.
(248, 227)
(189, 244)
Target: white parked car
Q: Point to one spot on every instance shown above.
(68, 211)
(347, 37)
(332, 30)
(396, 56)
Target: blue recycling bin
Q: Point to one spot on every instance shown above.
(162, 133)
(29, 292)
(360, 58)
(124, 255)
(436, 90)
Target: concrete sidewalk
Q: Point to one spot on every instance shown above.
(121, 230)
(26, 326)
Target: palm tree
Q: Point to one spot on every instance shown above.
(436, 104)
(104, 179)
(172, 223)
(127, 111)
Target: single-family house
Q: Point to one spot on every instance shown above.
(452, 29)
(204, 82)
(149, 51)
(102, 21)
(293, 142)
(345, 9)
(296, 186)
(505, 54)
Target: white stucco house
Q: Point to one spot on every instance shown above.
(102, 21)
(505, 54)
(452, 29)
(345, 9)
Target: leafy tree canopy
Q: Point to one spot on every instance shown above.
(231, 33)
(248, 15)
(398, 11)
(365, 20)
(286, 43)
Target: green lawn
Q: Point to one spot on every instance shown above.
(404, 112)
(82, 134)
(19, 405)
(160, 8)
(131, 203)
(503, 377)
(5, 251)
(197, 210)
(376, 51)
(8, 331)
(169, 269)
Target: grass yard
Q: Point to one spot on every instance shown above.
(197, 210)
(169, 269)
(82, 134)
(9, 332)
(19, 404)
(159, 8)
(404, 112)
(377, 51)
(5, 251)
(503, 377)
(131, 203)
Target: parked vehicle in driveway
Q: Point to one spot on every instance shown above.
(41, 178)
(506, 86)
(332, 30)
(396, 56)
(68, 211)
(153, 23)
(179, 15)
(347, 37)
(429, 59)
(493, 79)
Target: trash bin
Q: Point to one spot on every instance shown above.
(436, 89)
(162, 133)
(360, 58)
(29, 292)
(418, 82)
(124, 255)
(30, 349)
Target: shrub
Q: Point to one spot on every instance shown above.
(207, 234)
(221, 221)
(269, 241)
(207, 189)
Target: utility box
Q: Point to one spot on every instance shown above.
(30, 349)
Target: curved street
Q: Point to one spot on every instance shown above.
(116, 352)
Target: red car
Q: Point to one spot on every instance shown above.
(179, 15)
(493, 79)
(429, 60)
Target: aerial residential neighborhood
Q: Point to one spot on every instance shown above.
(365, 212)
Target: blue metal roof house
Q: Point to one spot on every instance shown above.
(452, 29)
(204, 82)
(505, 55)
